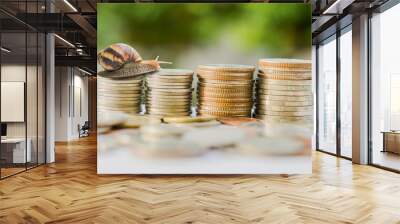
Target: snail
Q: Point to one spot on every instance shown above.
(115, 56)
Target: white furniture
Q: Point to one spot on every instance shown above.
(18, 144)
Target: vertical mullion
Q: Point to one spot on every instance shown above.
(338, 81)
(316, 96)
(37, 89)
(26, 86)
(0, 95)
(45, 87)
(369, 79)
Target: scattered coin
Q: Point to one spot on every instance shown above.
(270, 146)
(188, 119)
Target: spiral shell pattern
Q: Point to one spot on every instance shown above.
(116, 55)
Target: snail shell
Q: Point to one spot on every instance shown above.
(116, 55)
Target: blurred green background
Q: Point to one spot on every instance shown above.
(197, 33)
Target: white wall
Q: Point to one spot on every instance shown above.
(70, 83)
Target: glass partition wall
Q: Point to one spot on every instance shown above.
(22, 77)
(385, 89)
(334, 104)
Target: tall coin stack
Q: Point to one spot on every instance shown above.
(169, 92)
(121, 94)
(284, 90)
(225, 90)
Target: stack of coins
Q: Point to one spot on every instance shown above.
(122, 95)
(225, 90)
(169, 92)
(284, 90)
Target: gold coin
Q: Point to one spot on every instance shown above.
(172, 79)
(118, 96)
(286, 113)
(119, 106)
(224, 76)
(285, 77)
(168, 84)
(188, 119)
(170, 91)
(172, 72)
(167, 106)
(284, 88)
(170, 110)
(119, 87)
(230, 104)
(285, 82)
(227, 68)
(115, 91)
(157, 87)
(106, 91)
(284, 98)
(285, 108)
(224, 114)
(225, 82)
(222, 91)
(167, 103)
(168, 97)
(230, 85)
(127, 109)
(281, 63)
(131, 108)
(266, 103)
(113, 101)
(285, 118)
(225, 100)
(224, 95)
(306, 73)
(162, 114)
(224, 109)
(283, 93)
(135, 121)
(120, 82)
(117, 100)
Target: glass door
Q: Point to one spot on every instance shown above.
(385, 89)
(326, 96)
(22, 78)
(345, 41)
(14, 144)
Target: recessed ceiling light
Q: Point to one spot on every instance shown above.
(84, 71)
(5, 50)
(64, 40)
(70, 5)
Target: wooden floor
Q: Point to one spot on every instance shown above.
(70, 191)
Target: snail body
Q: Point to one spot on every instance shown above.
(123, 57)
(130, 70)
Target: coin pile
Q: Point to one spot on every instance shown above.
(284, 91)
(169, 92)
(123, 94)
(225, 90)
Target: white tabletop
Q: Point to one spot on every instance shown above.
(13, 140)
